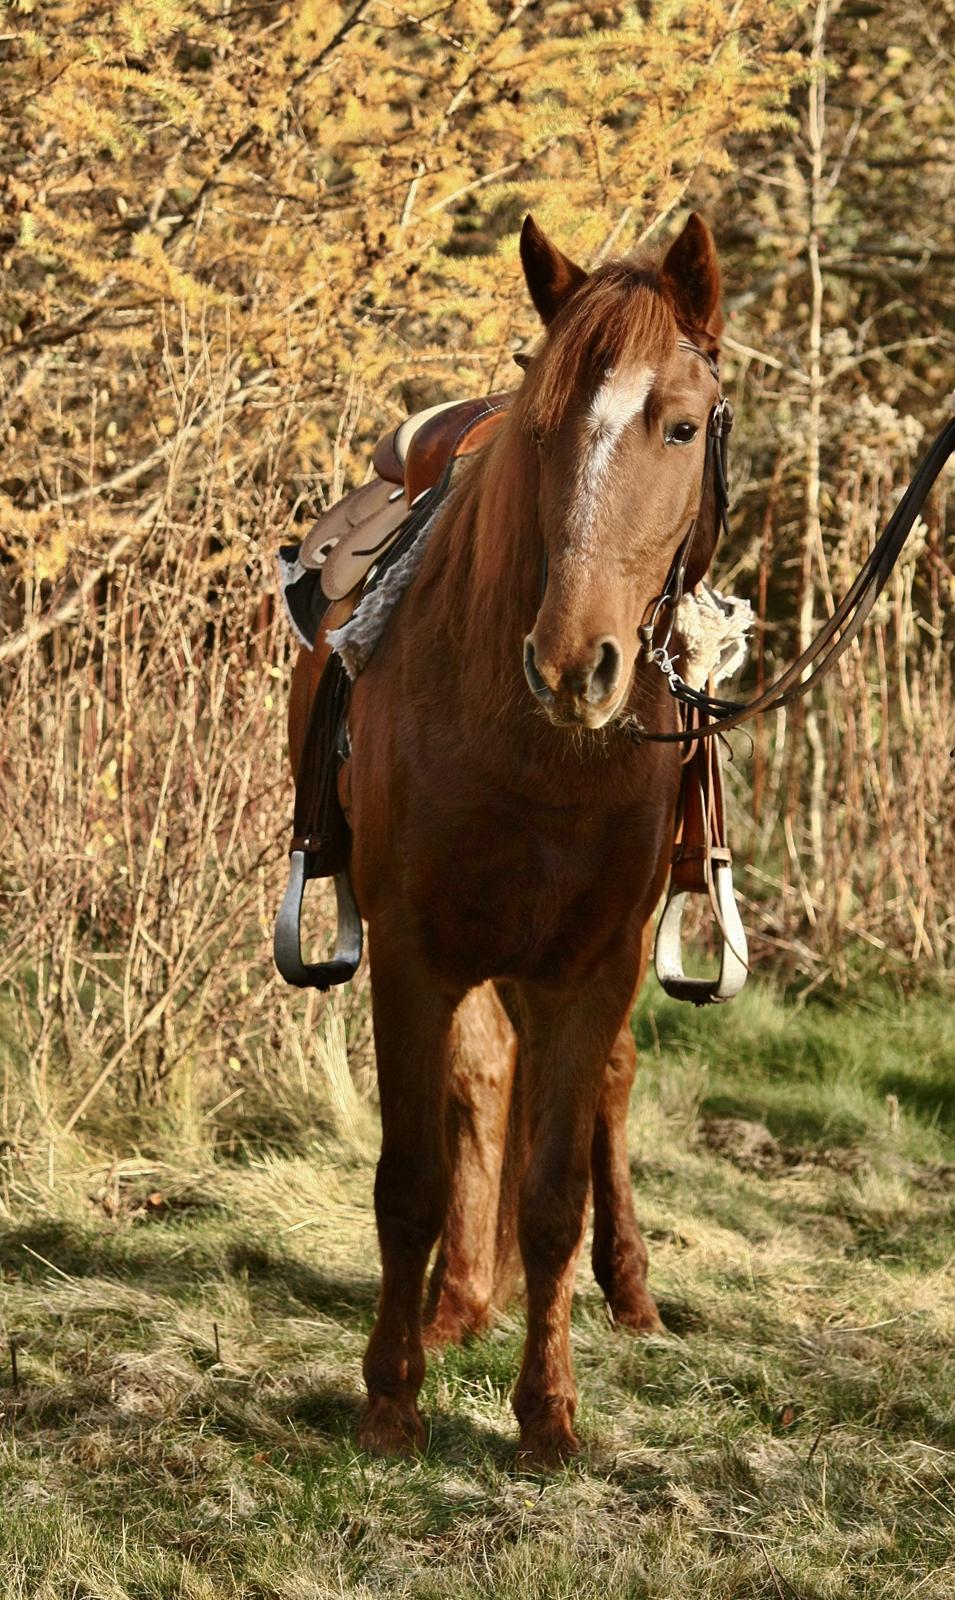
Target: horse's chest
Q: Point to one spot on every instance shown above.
(494, 896)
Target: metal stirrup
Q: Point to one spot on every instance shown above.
(287, 945)
(668, 951)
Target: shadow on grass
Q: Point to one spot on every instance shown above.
(331, 1294)
(795, 1124)
(326, 1409)
(174, 1261)
(921, 1241)
(324, 1413)
(334, 1415)
(68, 1249)
(930, 1097)
(679, 1317)
(455, 1440)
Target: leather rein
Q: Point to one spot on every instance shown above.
(716, 715)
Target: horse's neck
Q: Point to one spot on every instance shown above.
(491, 559)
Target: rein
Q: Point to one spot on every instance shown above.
(715, 715)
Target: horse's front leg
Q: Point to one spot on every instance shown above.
(619, 1253)
(565, 1042)
(412, 1020)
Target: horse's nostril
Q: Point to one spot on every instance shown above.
(606, 674)
(591, 682)
(535, 682)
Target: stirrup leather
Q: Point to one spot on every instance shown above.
(321, 843)
(702, 864)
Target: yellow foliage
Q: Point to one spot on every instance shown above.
(327, 190)
(52, 556)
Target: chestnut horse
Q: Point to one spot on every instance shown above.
(510, 843)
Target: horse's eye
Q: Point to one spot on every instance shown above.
(682, 433)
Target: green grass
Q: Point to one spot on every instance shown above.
(794, 1435)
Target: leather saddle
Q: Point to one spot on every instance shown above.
(346, 553)
(349, 539)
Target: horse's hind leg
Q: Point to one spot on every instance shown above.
(412, 1025)
(619, 1253)
(482, 1053)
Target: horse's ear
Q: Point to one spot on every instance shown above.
(551, 276)
(692, 274)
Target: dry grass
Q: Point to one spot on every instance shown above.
(189, 1336)
(145, 803)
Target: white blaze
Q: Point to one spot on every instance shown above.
(620, 398)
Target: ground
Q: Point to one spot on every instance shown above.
(189, 1337)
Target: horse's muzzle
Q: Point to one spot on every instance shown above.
(583, 692)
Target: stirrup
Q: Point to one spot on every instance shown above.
(287, 944)
(668, 951)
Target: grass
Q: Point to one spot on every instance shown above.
(189, 1338)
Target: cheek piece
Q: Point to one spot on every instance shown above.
(719, 424)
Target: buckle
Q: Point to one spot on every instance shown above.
(721, 418)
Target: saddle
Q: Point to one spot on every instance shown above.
(350, 538)
(345, 555)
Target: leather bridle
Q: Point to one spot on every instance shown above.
(718, 426)
(716, 715)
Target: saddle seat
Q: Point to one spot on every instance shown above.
(347, 541)
(391, 451)
(416, 453)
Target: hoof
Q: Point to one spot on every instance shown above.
(392, 1428)
(547, 1449)
(638, 1314)
(443, 1331)
(548, 1440)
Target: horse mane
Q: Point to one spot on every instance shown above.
(622, 311)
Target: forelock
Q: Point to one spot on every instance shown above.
(620, 320)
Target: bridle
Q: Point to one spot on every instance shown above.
(716, 715)
(701, 862)
(663, 608)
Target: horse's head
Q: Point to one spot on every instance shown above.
(618, 408)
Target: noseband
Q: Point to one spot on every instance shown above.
(715, 715)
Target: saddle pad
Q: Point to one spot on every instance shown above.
(301, 591)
